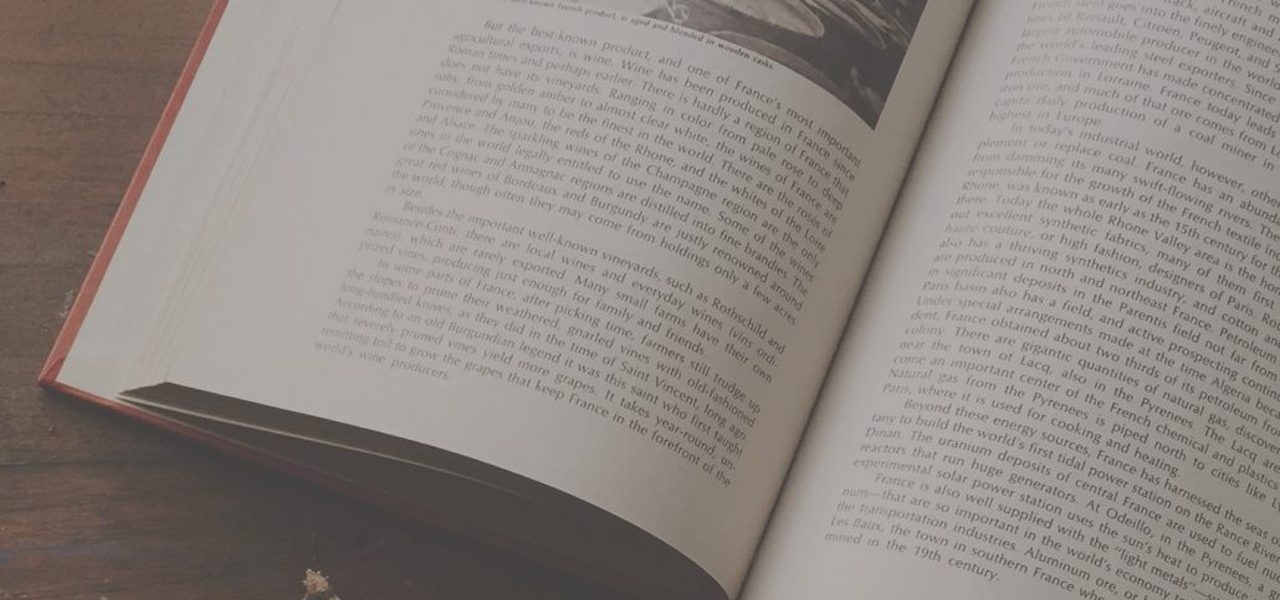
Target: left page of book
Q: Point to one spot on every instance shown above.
(608, 252)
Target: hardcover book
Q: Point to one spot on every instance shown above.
(763, 299)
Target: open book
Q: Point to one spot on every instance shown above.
(767, 299)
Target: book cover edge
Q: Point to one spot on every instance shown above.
(48, 377)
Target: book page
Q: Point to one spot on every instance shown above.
(1062, 381)
(610, 252)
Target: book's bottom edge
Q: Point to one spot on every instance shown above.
(390, 503)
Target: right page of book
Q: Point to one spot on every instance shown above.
(1061, 380)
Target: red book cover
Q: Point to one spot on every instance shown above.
(88, 289)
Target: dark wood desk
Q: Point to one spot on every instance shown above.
(95, 506)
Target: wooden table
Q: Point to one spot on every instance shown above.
(95, 506)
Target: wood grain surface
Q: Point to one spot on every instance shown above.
(95, 506)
